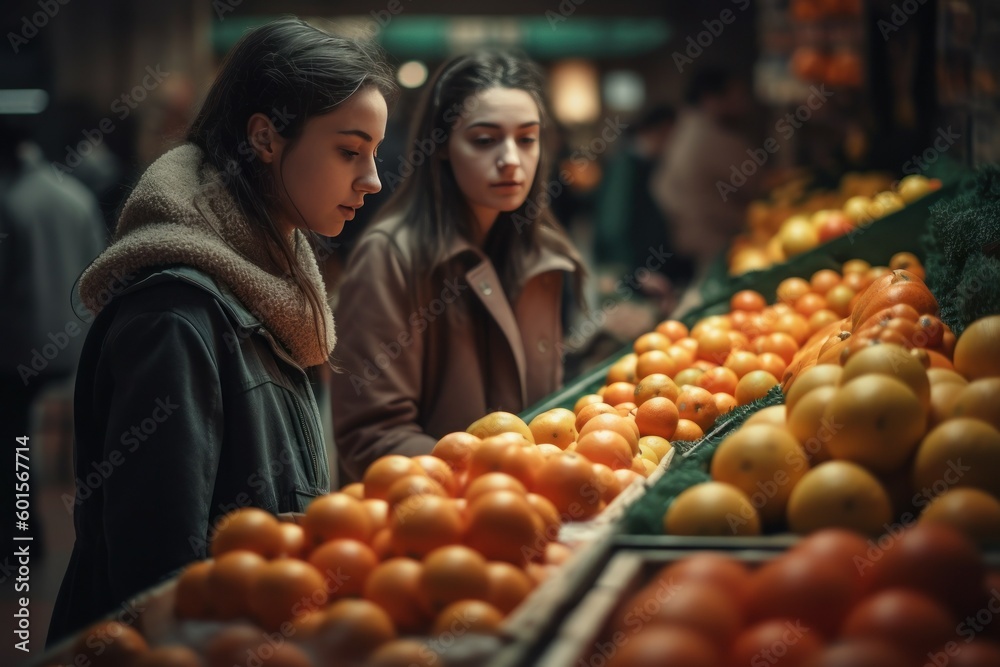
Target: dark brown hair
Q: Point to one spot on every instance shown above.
(429, 200)
(291, 72)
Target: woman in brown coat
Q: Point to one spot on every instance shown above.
(451, 302)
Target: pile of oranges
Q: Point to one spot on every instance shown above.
(781, 230)
(433, 546)
(886, 437)
(921, 596)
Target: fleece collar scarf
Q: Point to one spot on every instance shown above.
(179, 213)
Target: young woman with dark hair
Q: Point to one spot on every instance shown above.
(192, 396)
(453, 296)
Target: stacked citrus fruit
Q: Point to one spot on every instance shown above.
(421, 546)
(779, 230)
(898, 432)
(921, 596)
(732, 359)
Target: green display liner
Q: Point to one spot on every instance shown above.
(690, 466)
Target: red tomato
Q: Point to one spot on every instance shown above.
(658, 646)
(933, 558)
(779, 642)
(704, 608)
(911, 621)
(798, 585)
(729, 573)
(861, 653)
(839, 547)
(978, 653)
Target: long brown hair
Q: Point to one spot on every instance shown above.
(429, 200)
(291, 72)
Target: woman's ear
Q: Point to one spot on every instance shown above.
(265, 141)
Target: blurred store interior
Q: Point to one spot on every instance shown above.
(103, 87)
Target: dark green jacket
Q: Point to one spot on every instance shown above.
(223, 415)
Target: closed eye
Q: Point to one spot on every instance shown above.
(349, 155)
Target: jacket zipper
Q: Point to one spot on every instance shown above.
(298, 407)
(309, 444)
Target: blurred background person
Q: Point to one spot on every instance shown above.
(629, 225)
(706, 145)
(50, 229)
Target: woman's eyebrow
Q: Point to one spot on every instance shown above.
(496, 126)
(357, 133)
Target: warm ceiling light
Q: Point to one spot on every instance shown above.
(412, 74)
(575, 92)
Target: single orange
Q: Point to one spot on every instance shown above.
(651, 341)
(618, 392)
(284, 589)
(687, 431)
(384, 472)
(570, 484)
(591, 410)
(672, 329)
(423, 523)
(351, 630)
(584, 401)
(230, 583)
(719, 379)
(451, 574)
(412, 485)
(747, 300)
(657, 416)
(696, 404)
(334, 516)
(493, 481)
(438, 470)
(475, 616)
(345, 565)
(250, 529)
(753, 386)
(508, 586)
(502, 526)
(623, 370)
(395, 586)
(623, 426)
(456, 450)
(607, 447)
